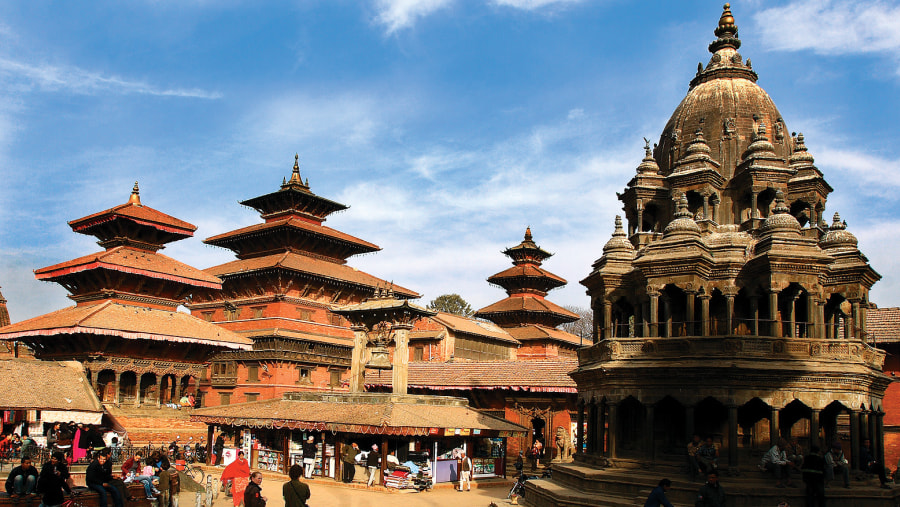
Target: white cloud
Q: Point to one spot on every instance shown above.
(531, 5)
(831, 27)
(398, 14)
(76, 80)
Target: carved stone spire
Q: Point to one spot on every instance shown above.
(726, 31)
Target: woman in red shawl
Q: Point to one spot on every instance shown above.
(239, 473)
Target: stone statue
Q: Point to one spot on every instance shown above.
(564, 448)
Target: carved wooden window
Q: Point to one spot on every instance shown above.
(258, 312)
(305, 314)
(232, 312)
(224, 369)
(251, 396)
(335, 378)
(224, 398)
(303, 376)
(336, 320)
(253, 373)
(418, 353)
(208, 316)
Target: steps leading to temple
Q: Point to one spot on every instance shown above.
(577, 485)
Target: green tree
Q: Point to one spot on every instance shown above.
(451, 303)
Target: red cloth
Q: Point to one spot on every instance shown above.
(239, 472)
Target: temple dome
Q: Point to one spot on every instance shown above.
(781, 219)
(838, 235)
(618, 243)
(725, 103)
(683, 223)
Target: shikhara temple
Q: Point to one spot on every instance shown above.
(726, 303)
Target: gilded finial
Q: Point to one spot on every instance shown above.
(297, 162)
(135, 195)
(726, 31)
(295, 173)
(528, 233)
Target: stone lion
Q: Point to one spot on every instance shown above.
(564, 448)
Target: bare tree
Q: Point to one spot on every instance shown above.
(582, 327)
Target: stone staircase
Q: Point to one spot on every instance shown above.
(577, 485)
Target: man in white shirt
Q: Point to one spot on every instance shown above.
(465, 472)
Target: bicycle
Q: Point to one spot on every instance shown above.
(194, 472)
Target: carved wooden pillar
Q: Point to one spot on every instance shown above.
(649, 446)
(117, 397)
(854, 439)
(608, 331)
(654, 313)
(732, 436)
(775, 325)
(613, 424)
(774, 431)
(704, 314)
(579, 430)
(814, 427)
(690, 312)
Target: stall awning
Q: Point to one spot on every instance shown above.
(76, 416)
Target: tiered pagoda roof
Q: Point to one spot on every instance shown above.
(293, 239)
(128, 291)
(526, 314)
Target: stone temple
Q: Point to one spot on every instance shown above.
(726, 305)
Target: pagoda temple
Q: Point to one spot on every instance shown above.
(136, 347)
(291, 272)
(526, 314)
(727, 307)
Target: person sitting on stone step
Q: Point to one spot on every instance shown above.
(708, 456)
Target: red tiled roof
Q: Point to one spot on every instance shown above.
(471, 326)
(883, 325)
(295, 223)
(527, 270)
(144, 215)
(537, 376)
(304, 264)
(538, 332)
(46, 385)
(128, 322)
(526, 304)
(131, 260)
(356, 415)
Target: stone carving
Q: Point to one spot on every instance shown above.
(729, 127)
(564, 447)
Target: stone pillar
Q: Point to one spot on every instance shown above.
(639, 320)
(821, 327)
(879, 436)
(811, 313)
(732, 436)
(162, 381)
(854, 439)
(729, 314)
(400, 373)
(646, 318)
(117, 397)
(640, 219)
(774, 431)
(608, 331)
(754, 212)
(137, 389)
(814, 428)
(579, 429)
(667, 315)
(774, 323)
(854, 319)
(870, 427)
(690, 313)
(754, 311)
(863, 323)
(654, 314)
(649, 446)
(706, 206)
(613, 424)
(792, 316)
(358, 360)
(848, 327)
(600, 430)
(704, 315)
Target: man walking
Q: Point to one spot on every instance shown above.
(348, 461)
(465, 472)
(372, 461)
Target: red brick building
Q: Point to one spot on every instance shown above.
(884, 333)
(290, 272)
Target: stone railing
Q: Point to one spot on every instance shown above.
(733, 347)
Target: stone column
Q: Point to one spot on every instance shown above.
(400, 373)
(814, 427)
(159, 392)
(863, 323)
(879, 436)
(729, 314)
(774, 323)
(792, 316)
(871, 423)
(137, 389)
(821, 327)
(649, 446)
(654, 314)
(732, 436)
(640, 218)
(754, 212)
(579, 429)
(706, 206)
(704, 314)
(848, 327)
(358, 360)
(608, 331)
(613, 425)
(690, 312)
(774, 431)
(854, 318)
(638, 320)
(667, 315)
(754, 311)
(645, 319)
(117, 397)
(600, 430)
(854, 439)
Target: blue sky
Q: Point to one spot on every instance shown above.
(448, 126)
